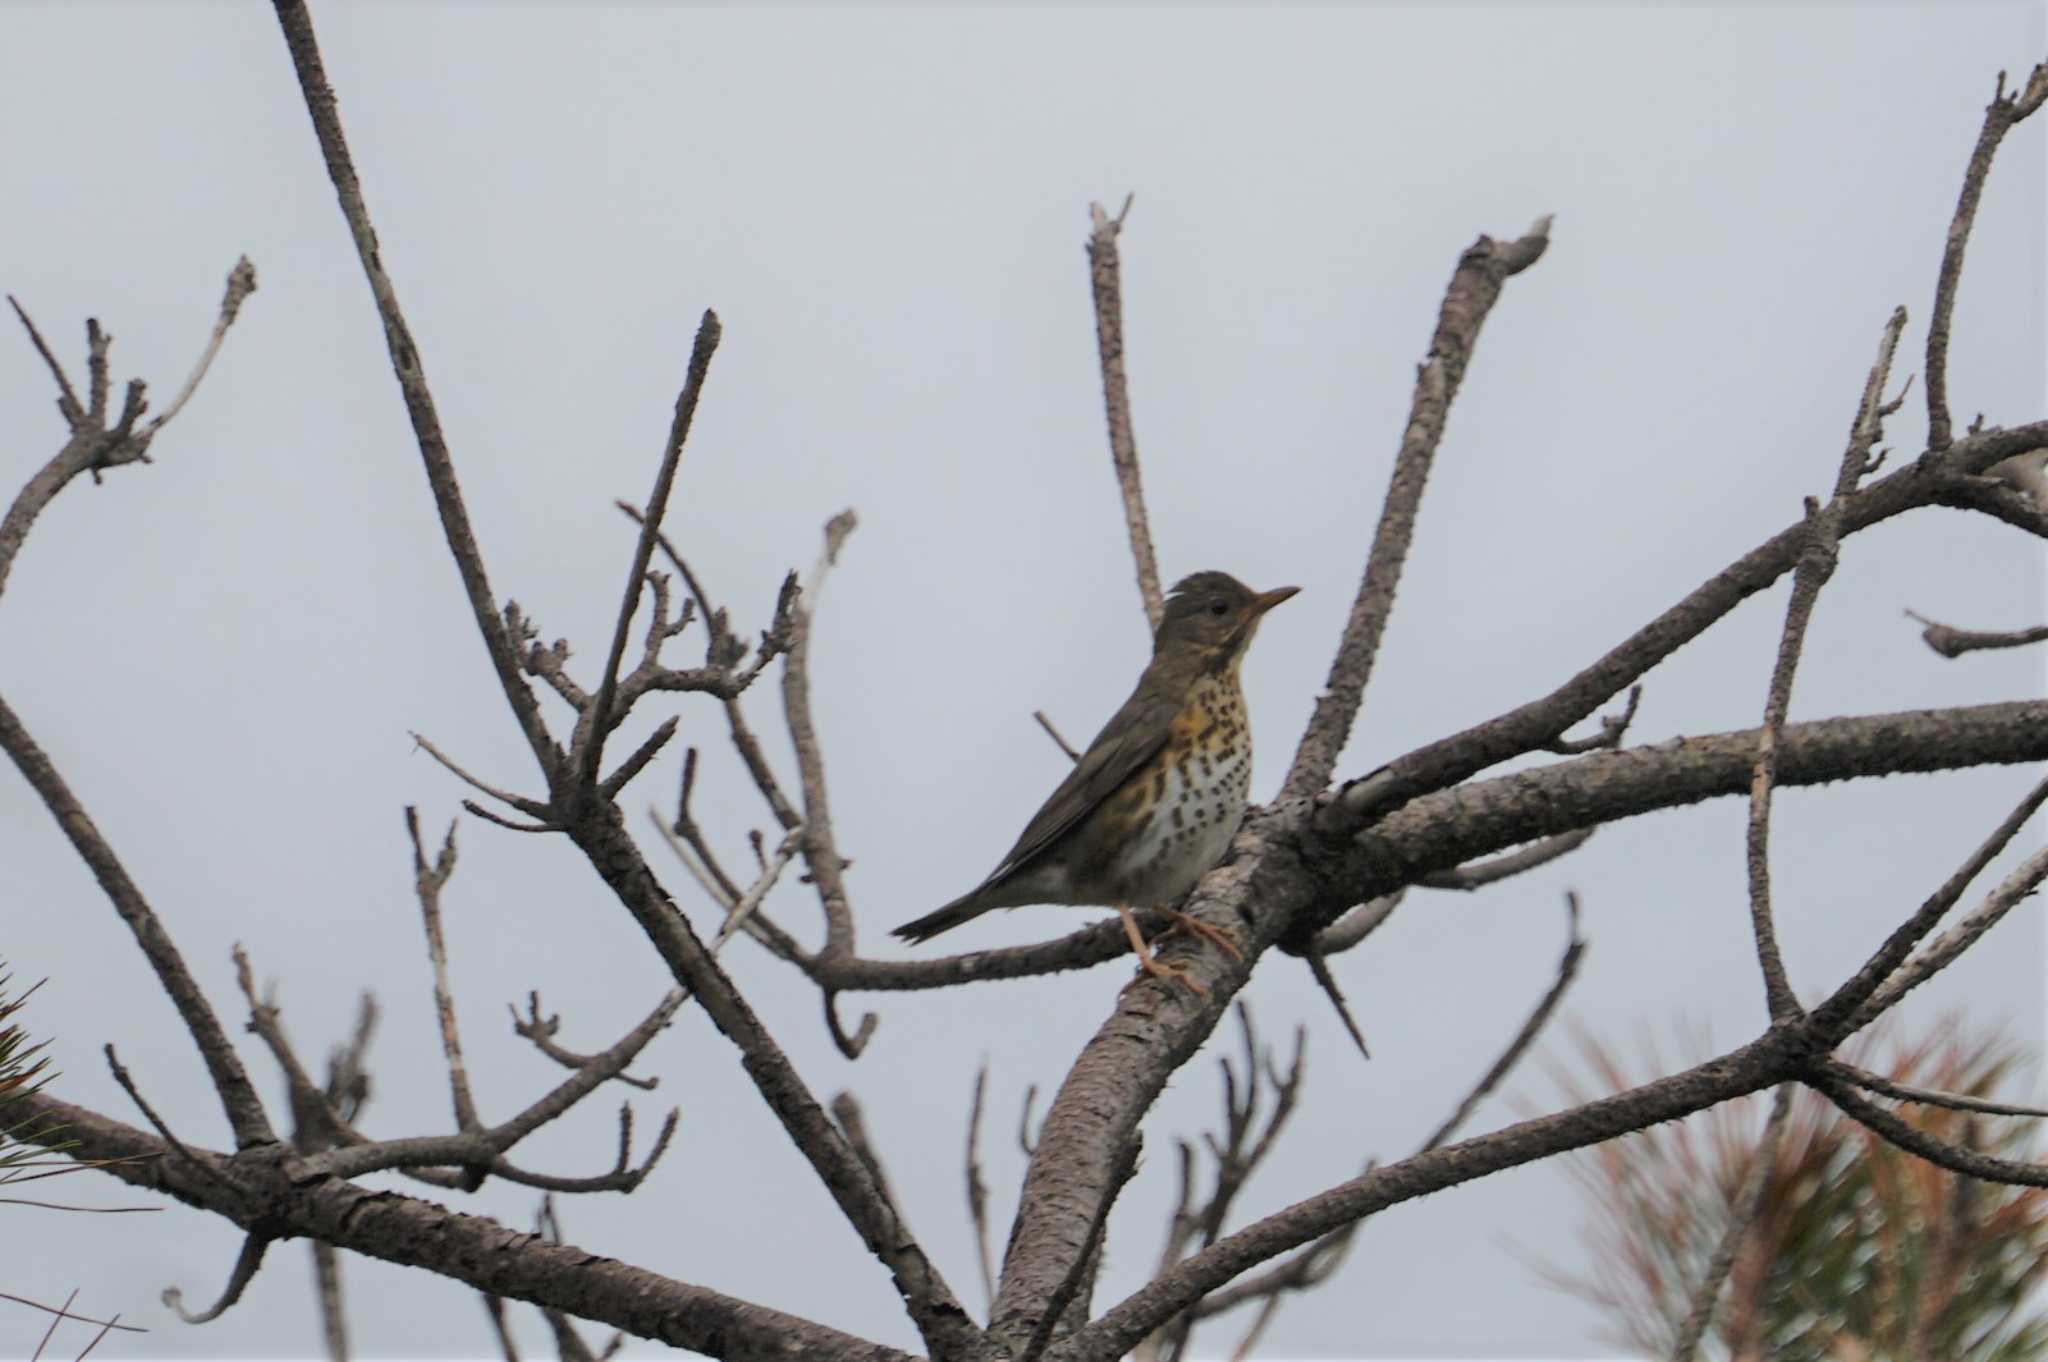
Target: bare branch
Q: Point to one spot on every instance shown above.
(246, 1264)
(1480, 874)
(1999, 117)
(599, 720)
(474, 1250)
(1358, 923)
(59, 1313)
(238, 1098)
(315, 1124)
(410, 370)
(1846, 1010)
(1816, 566)
(1532, 1026)
(328, 1292)
(635, 764)
(1613, 728)
(849, 1045)
(1755, 1066)
(977, 1190)
(1026, 1141)
(428, 881)
(1904, 1092)
(541, 1031)
(241, 283)
(533, 808)
(1741, 1216)
(1913, 1140)
(1105, 279)
(67, 397)
(93, 444)
(1053, 733)
(847, 1111)
(494, 1306)
(1121, 1173)
(1955, 642)
(1944, 949)
(743, 908)
(1475, 285)
(821, 851)
(1527, 727)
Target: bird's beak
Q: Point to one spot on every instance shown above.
(1266, 600)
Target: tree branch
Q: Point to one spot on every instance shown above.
(244, 1111)
(1530, 726)
(1999, 117)
(1475, 286)
(1105, 279)
(410, 371)
(1741, 1215)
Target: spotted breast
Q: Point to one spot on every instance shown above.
(1191, 806)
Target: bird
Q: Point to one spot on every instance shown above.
(1154, 801)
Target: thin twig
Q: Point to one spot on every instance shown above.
(1105, 279)
(743, 909)
(1934, 1097)
(846, 1110)
(67, 397)
(1474, 287)
(429, 879)
(1479, 874)
(1955, 1158)
(598, 723)
(1950, 642)
(541, 1031)
(58, 1314)
(1741, 1215)
(1999, 117)
(1943, 951)
(1532, 1026)
(821, 850)
(241, 283)
(533, 808)
(977, 1189)
(1816, 566)
(1054, 734)
(246, 1264)
(1849, 1007)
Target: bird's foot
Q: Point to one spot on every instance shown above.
(1188, 922)
(1159, 969)
(1151, 964)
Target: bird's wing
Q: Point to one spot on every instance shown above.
(1132, 737)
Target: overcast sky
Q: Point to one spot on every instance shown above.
(226, 651)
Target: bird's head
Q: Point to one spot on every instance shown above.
(1211, 616)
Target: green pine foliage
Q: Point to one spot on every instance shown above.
(1860, 1252)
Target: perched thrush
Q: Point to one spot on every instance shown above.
(1155, 800)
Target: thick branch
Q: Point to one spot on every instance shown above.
(471, 1249)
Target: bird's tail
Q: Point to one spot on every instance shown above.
(967, 906)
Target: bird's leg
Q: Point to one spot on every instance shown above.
(1151, 964)
(1188, 922)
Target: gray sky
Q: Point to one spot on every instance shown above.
(227, 650)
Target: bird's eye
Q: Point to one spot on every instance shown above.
(1219, 606)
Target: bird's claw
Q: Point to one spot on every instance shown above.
(1188, 922)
